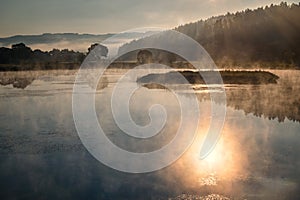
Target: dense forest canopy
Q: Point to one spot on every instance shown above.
(263, 35)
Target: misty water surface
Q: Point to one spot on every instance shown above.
(41, 155)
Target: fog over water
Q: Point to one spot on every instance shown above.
(41, 155)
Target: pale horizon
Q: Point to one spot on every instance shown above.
(101, 17)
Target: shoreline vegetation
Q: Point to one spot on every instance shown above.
(22, 58)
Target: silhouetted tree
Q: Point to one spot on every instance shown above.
(21, 57)
(5, 55)
(144, 57)
(20, 52)
(103, 50)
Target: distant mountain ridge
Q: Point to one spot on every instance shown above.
(50, 38)
(71, 41)
(49, 41)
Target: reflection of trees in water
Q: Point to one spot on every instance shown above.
(17, 82)
(22, 79)
(278, 101)
(272, 101)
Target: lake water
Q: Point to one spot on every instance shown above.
(42, 157)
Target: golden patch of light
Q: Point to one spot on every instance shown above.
(217, 156)
(227, 161)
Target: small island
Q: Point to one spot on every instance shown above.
(228, 76)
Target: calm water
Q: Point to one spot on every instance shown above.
(41, 155)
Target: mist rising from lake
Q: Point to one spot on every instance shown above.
(41, 155)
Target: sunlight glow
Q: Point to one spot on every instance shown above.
(216, 157)
(227, 162)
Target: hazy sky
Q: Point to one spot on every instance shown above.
(103, 16)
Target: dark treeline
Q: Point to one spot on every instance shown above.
(264, 37)
(21, 57)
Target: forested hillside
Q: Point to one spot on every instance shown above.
(264, 37)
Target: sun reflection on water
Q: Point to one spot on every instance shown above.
(226, 163)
